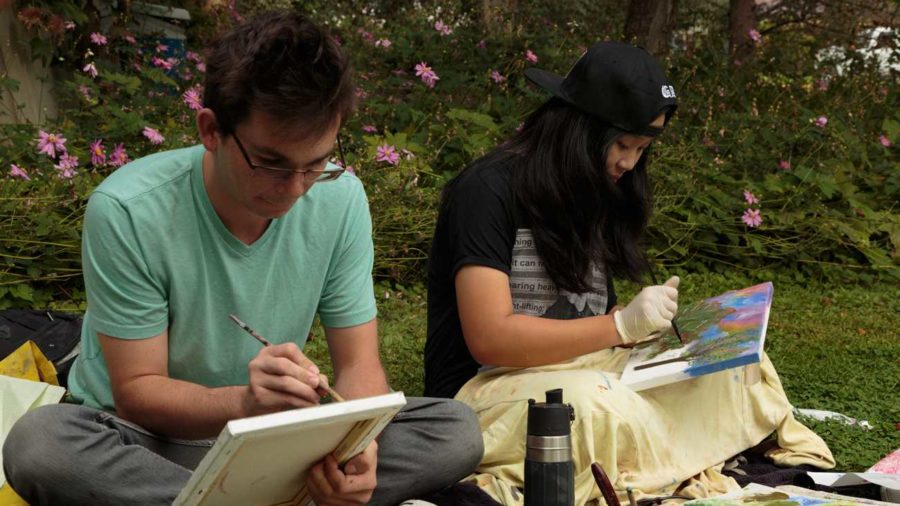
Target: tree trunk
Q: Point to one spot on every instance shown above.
(741, 20)
(649, 24)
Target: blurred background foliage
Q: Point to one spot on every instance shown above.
(794, 102)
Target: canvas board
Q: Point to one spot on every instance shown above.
(719, 333)
(264, 460)
(755, 494)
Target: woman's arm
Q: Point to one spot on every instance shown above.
(497, 336)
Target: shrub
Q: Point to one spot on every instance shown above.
(813, 150)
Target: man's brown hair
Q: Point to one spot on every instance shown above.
(281, 64)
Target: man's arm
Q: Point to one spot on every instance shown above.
(357, 365)
(143, 392)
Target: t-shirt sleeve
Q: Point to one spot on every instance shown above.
(480, 223)
(348, 298)
(124, 299)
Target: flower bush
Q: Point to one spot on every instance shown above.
(774, 166)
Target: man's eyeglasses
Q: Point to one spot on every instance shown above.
(310, 175)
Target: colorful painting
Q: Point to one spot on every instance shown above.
(719, 333)
(760, 495)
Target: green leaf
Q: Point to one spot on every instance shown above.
(827, 185)
(9, 84)
(475, 118)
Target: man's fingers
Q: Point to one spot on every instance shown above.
(673, 282)
(317, 483)
(292, 352)
(363, 462)
(274, 400)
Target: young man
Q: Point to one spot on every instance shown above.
(256, 223)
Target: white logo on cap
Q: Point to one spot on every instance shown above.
(668, 91)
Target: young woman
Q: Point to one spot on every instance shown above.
(521, 298)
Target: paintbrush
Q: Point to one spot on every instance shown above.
(674, 325)
(330, 391)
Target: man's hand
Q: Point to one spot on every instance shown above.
(281, 377)
(329, 486)
(650, 311)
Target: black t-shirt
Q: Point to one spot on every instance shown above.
(479, 225)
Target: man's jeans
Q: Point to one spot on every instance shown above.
(70, 454)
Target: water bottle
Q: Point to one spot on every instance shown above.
(549, 470)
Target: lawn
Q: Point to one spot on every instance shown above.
(836, 348)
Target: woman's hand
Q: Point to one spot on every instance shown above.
(649, 312)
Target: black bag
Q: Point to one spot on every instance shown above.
(56, 334)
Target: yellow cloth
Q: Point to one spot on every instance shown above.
(659, 441)
(28, 363)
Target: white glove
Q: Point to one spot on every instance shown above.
(651, 311)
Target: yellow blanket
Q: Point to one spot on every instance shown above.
(27, 380)
(658, 441)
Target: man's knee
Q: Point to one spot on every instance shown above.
(468, 445)
(33, 449)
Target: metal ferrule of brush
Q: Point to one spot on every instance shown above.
(549, 470)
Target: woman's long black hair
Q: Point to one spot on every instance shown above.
(578, 215)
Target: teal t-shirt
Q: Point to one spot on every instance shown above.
(156, 255)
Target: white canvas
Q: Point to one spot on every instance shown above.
(263, 460)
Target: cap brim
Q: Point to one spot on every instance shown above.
(546, 80)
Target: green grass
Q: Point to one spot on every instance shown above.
(836, 348)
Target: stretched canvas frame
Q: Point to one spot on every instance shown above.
(264, 460)
(719, 333)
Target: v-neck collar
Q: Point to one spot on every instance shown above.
(201, 196)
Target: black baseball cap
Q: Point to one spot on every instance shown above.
(618, 83)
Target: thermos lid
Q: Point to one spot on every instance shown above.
(551, 418)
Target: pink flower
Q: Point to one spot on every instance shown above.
(90, 69)
(70, 25)
(385, 43)
(154, 135)
(192, 56)
(387, 153)
(428, 76)
(130, 39)
(754, 35)
(166, 64)
(442, 28)
(85, 91)
(66, 166)
(16, 171)
(821, 121)
(481, 44)
(497, 77)
(161, 48)
(192, 98)
(367, 36)
(369, 129)
(118, 157)
(885, 141)
(98, 153)
(51, 144)
(201, 67)
(530, 56)
(98, 38)
(750, 197)
(751, 218)
(784, 165)
(822, 84)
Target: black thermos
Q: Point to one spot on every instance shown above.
(549, 470)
